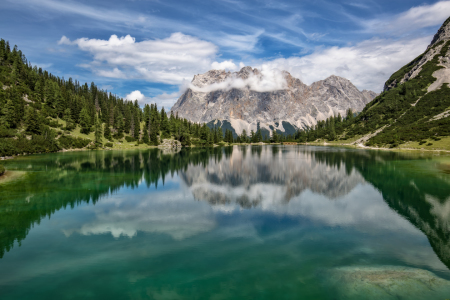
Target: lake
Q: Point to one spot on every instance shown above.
(243, 222)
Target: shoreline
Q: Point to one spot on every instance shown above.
(324, 144)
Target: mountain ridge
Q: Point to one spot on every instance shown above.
(251, 96)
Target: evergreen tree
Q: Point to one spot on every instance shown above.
(98, 131)
(33, 122)
(165, 126)
(9, 115)
(137, 126)
(145, 137)
(85, 121)
(258, 136)
(68, 119)
(107, 132)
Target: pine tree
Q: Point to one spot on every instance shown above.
(107, 132)
(137, 126)
(165, 126)
(9, 114)
(98, 131)
(145, 137)
(258, 136)
(85, 121)
(33, 122)
(68, 119)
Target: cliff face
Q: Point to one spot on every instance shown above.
(251, 96)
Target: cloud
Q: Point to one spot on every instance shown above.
(135, 95)
(225, 65)
(270, 79)
(413, 19)
(163, 100)
(121, 216)
(169, 60)
(367, 64)
(100, 14)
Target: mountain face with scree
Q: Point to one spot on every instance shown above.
(274, 100)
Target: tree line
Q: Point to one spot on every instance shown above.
(39, 112)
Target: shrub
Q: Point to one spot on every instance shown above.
(130, 139)
(2, 170)
(69, 142)
(7, 132)
(429, 144)
(110, 145)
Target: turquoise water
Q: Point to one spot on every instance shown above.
(271, 222)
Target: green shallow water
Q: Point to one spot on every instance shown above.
(268, 222)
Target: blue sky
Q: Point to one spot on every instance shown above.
(150, 49)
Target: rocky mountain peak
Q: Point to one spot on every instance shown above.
(271, 98)
(413, 69)
(443, 33)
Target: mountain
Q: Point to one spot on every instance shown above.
(274, 99)
(414, 107)
(415, 104)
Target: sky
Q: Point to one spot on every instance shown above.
(149, 50)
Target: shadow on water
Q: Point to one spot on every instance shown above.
(59, 181)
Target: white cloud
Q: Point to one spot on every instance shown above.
(163, 100)
(173, 213)
(270, 79)
(169, 60)
(135, 95)
(225, 65)
(367, 64)
(114, 73)
(415, 18)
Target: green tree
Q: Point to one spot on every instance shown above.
(145, 136)
(9, 114)
(107, 132)
(98, 131)
(33, 122)
(85, 121)
(137, 126)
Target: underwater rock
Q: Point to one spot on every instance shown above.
(387, 282)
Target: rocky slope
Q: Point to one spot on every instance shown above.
(415, 104)
(271, 98)
(413, 69)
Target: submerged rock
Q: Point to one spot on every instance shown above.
(387, 282)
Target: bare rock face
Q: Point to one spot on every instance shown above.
(251, 96)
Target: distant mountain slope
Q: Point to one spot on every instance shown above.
(248, 97)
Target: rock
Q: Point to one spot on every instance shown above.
(249, 97)
(172, 144)
(443, 76)
(387, 282)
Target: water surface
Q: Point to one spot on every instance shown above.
(271, 222)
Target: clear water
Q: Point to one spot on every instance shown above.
(272, 222)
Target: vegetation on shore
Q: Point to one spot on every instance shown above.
(407, 114)
(2, 170)
(43, 113)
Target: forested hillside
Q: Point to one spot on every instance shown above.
(41, 112)
(410, 109)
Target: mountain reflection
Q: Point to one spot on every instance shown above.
(333, 186)
(250, 174)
